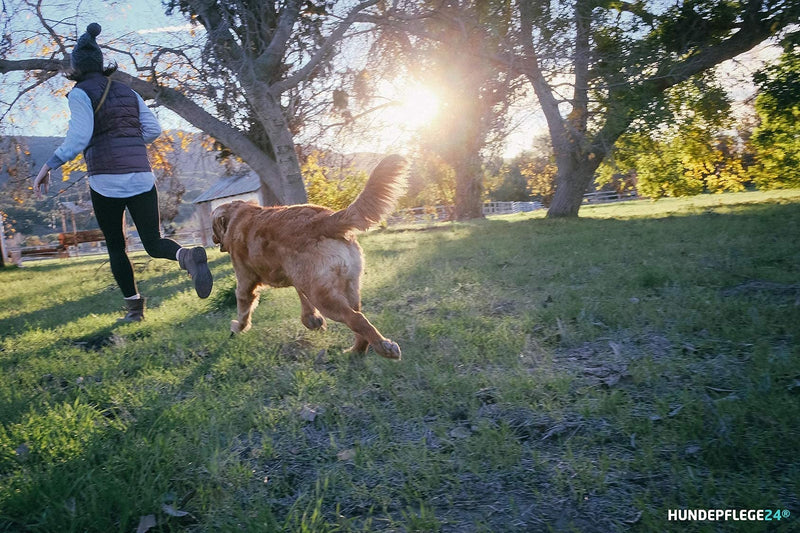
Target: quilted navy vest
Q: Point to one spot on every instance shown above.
(116, 146)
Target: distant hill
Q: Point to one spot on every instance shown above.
(40, 148)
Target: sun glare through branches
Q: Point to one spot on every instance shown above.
(417, 106)
(407, 111)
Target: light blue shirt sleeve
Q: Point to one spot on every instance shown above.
(79, 132)
(151, 129)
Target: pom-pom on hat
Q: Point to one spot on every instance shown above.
(87, 56)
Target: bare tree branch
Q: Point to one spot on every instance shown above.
(273, 55)
(40, 81)
(53, 65)
(324, 50)
(218, 31)
(55, 36)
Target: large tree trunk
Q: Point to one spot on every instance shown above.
(280, 187)
(463, 153)
(572, 181)
(469, 188)
(274, 120)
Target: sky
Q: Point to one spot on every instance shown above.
(147, 19)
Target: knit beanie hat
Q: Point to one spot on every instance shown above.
(86, 56)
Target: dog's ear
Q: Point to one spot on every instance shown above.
(219, 226)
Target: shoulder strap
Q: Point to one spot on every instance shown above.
(103, 98)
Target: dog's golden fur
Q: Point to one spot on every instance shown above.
(313, 249)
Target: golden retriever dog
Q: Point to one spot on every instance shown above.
(313, 249)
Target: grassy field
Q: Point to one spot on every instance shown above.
(558, 375)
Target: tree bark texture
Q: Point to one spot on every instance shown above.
(469, 188)
(573, 178)
(293, 190)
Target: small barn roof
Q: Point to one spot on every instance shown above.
(233, 186)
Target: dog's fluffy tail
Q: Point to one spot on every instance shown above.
(377, 200)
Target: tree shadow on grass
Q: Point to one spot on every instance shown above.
(123, 446)
(55, 379)
(161, 287)
(94, 334)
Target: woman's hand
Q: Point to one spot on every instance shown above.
(41, 184)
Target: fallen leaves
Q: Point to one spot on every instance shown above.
(170, 510)
(22, 451)
(146, 523)
(309, 413)
(672, 413)
(460, 432)
(346, 455)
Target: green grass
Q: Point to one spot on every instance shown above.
(557, 375)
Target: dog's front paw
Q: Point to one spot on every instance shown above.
(388, 349)
(313, 321)
(237, 327)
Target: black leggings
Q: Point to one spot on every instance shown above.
(143, 208)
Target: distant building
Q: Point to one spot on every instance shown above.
(246, 188)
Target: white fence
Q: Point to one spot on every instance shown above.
(439, 213)
(604, 197)
(507, 208)
(421, 215)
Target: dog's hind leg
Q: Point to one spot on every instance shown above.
(310, 317)
(246, 301)
(336, 307)
(353, 294)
